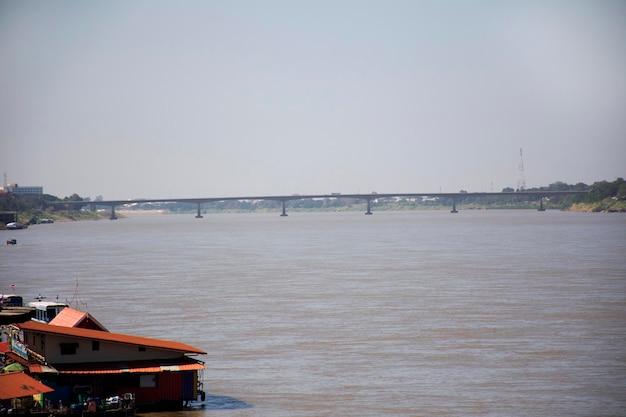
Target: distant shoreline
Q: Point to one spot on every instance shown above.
(131, 213)
(605, 206)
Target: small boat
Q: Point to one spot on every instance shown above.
(16, 225)
(11, 300)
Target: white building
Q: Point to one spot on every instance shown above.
(16, 189)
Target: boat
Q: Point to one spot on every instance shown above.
(12, 309)
(16, 225)
(10, 314)
(45, 311)
(11, 300)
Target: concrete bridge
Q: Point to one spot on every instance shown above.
(540, 195)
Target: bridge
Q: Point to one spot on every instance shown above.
(285, 198)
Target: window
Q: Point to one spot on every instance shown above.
(95, 345)
(142, 348)
(147, 381)
(68, 348)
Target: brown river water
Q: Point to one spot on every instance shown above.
(426, 313)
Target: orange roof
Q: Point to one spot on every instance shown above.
(69, 317)
(181, 364)
(18, 384)
(110, 337)
(37, 368)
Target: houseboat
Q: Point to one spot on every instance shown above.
(46, 311)
(86, 363)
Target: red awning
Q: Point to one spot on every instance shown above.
(129, 367)
(18, 384)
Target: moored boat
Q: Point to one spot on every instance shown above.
(17, 226)
(45, 311)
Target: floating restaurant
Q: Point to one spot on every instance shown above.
(85, 368)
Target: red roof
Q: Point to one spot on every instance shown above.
(110, 337)
(18, 384)
(69, 317)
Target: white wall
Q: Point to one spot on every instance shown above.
(49, 345)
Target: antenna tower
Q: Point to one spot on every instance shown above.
(521, 182)
(76, 299)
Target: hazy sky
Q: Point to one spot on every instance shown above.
(129, 99)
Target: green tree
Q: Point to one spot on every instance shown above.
(621, 191)
(604, 189)
(74, 197)
(72, 207)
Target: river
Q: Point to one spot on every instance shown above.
(423, 313)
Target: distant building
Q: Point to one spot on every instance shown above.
(16, 189)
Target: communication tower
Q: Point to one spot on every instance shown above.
(521, 182)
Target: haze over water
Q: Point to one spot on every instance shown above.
(485, 313)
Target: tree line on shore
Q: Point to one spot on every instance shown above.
(601, 196)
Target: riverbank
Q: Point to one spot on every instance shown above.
(33, 217)
(608, 205)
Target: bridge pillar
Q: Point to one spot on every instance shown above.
(284, 213)
(454, 210)
(541, 208)
(113, 216)
(198, 216)
(369, 212)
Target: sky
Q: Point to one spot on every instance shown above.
(167, 99)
